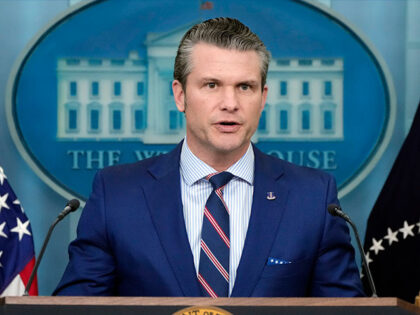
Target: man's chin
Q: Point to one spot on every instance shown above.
(228, 148)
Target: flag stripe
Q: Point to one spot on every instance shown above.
(25, 275)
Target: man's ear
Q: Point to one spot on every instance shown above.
(179, 95)
(264, 97)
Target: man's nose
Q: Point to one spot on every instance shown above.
(230, 101)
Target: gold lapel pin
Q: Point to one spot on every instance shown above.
(270, 195)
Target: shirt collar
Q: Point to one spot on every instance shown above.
(193, 169)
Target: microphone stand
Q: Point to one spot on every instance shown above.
(335, 210)
(71, 206)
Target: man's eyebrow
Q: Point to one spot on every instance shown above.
(209, 79)
(249, 82)
(244, 82)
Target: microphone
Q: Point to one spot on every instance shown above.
(335, 210)
(71, 206)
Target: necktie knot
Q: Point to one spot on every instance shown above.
(220, 179)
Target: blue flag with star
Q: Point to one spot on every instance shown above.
(17, 257)
(392, 241)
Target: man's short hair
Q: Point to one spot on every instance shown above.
(222, 32)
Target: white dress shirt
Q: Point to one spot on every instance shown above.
(195, 190)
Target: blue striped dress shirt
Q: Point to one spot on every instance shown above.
(195, 190)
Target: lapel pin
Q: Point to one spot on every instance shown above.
(270, 195)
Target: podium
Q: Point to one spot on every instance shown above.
(161, 305)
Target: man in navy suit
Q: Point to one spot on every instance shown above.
(142, 230)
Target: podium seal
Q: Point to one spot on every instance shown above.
(202, 310)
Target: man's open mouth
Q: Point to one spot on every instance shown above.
(228, 126)
(228, 123)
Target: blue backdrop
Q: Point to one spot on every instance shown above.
(385, 23)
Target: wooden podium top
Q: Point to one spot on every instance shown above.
(339, 303)
(150, 301)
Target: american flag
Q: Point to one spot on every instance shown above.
(17, 256)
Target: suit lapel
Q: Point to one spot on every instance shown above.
(265, 217)
(164, 199)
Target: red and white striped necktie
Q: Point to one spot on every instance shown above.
(213, 273)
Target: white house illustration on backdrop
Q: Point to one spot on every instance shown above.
(131, 99)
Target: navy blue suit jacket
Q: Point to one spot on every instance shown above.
(132, 241)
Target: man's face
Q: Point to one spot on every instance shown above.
(223, 100)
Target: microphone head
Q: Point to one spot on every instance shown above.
(74, 204)
(334, 209)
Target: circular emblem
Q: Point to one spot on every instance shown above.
(94, 89)
(202, 310)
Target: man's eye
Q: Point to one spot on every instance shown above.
(211, 85)
(244, 87)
